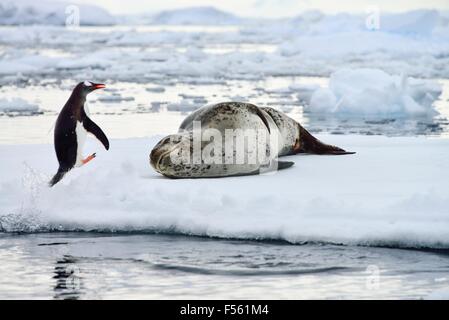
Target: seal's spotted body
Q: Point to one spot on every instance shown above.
(284, 136)
(289, 130)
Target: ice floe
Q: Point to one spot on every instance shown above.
(380, 196)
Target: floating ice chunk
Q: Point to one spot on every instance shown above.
(200, 101)
(374, 92)
(190, 96)
(155, 89)
(279, 91)
(17, 105)
(185, 105)
(197, 99)
(115, 97)
(156, 106)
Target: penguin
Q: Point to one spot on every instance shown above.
(71, 129)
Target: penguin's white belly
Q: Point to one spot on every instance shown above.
(81, 134)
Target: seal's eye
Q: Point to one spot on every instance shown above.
(88, 84)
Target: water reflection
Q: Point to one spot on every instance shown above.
(68, 278)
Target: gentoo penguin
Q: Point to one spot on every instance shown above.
(71, 129)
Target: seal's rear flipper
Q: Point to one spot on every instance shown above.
(310, 144)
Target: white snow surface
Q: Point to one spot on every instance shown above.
(393, 192)
(47, 12)
(374, 92)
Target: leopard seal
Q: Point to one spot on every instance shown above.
(234, 139)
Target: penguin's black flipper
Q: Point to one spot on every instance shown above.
(93, 128)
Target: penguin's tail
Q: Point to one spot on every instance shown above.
(58, 176)
(310, 144)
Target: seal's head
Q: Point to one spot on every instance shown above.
(172, 151)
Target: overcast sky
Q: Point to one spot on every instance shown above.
(266, 8)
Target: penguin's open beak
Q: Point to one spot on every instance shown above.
(98, 86)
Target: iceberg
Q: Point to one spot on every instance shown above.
(374, 92)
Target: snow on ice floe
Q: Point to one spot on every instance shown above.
(380, 196)
(372, 92)
(17, 106)
(47, 12)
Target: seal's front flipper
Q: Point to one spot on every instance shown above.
(93, 128)
(340, 153)
(283, 164)
(275, 165)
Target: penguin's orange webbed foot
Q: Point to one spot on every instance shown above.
(89, 158)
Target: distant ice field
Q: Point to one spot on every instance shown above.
(188, 43)
(163, 67)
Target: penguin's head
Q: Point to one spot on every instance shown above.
(87, 87)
